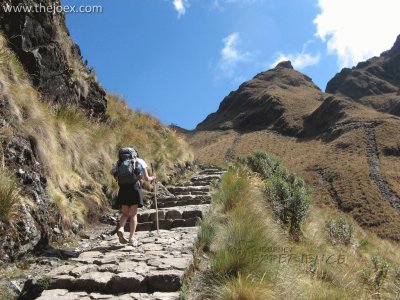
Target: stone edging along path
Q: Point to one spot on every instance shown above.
(155, 269)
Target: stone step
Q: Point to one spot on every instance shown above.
(172, 217)
(211, 172)
(205, 178)
(62, 294)
(188, 189)
(183, 200)
(196, 183)
(158, 264)
(165, 224)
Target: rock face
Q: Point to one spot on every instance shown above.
(276, 99)
(53, 61)
(32, 227)
(375, 82)
(44, 47)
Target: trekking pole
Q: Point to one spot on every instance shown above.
(155, 200)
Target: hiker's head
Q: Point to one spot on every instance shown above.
(137, 152)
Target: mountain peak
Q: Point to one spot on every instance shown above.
(374, 82)
(272, 99)
(395, 48)
(285, 64)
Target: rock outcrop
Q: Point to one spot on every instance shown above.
(374, 83)
(44, 47)
(277, 99)
(32, 226)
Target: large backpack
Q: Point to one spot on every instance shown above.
(128, 167)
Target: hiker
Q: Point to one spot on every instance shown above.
(129, 171)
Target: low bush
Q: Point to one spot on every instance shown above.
(287, 193)
(263, 164)
(375, 276)
(340, 231)
(290, 200)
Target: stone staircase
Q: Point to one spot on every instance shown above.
(155, 269)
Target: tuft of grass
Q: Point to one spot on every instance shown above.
(207, 227)
(233, 190)
(241, 245)
(6, 293)
(8, 195)
(242, 288)
(239, 240)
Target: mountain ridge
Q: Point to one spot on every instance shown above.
(345, 147)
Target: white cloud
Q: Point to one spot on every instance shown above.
(231, 55)
(299, 60)
(180, 6)
(356, 30)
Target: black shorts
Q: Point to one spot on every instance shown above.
(130, 194)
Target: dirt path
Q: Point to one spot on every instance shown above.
(155, 269)
(230, 153)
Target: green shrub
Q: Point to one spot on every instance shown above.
(376, 275)
(8, 195)
(233, 190)
(340, 231)
(44, 283)
(381, 267)
(290, 200)
(263, 164)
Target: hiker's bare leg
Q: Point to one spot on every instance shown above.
(124, 217)
(133, 220)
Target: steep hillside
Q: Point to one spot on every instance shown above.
(278, 99)
(374, 83)
(42, 43)
(59, 139)
(348, 152)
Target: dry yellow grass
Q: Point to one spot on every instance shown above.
(326, 271)
(337, 170)
(76, 152)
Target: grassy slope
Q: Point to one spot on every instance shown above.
(77, 152)
(336, 168)
(240, 273)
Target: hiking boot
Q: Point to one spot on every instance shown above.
(133, 242)
(120, 234)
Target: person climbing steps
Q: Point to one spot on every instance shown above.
(129, 170)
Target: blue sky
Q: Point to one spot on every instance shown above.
(177, 59)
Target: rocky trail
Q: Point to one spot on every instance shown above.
(372, 154)
(155, 269)
(230, 153)
(374, 168)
